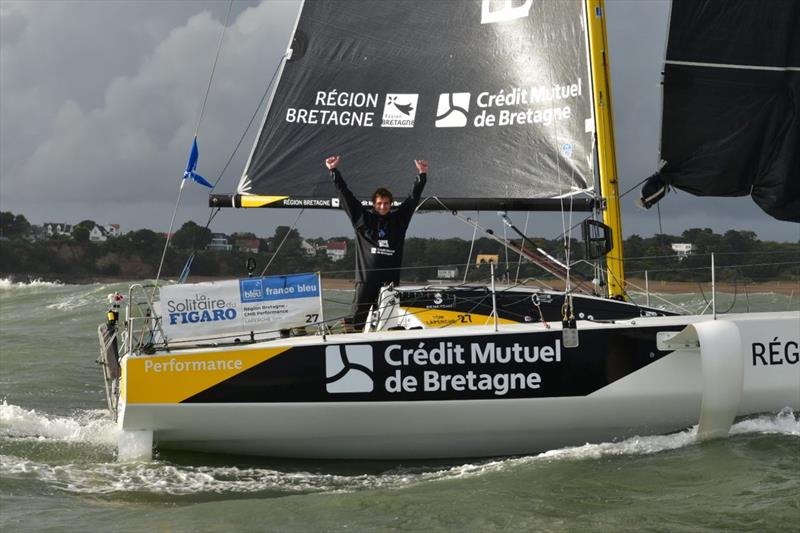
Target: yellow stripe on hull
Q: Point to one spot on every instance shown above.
(439, 318)
(173, 378)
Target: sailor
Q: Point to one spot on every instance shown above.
(380, 235)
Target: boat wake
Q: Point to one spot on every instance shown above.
(786, 422)
(93, 428)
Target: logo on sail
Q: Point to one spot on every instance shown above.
(399, 110)
(452, 109)
(348, 369)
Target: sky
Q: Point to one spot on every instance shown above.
(99, 101)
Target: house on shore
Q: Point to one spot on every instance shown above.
(102, 233)
(336, 250)
(52, 229)
(219, 243)
(250, 246)
(309, 248)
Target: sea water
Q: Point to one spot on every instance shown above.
(59, 471)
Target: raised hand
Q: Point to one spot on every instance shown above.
(422, 165)
(333, 162)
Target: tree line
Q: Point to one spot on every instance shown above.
(739, 255)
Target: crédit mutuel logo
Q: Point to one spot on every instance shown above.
(399, 110)
(349, 368)
(452, 109)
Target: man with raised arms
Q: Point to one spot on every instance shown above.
(380, 235)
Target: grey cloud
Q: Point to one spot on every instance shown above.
(127, 142)
(99, 101)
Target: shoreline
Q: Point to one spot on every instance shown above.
(785, 287)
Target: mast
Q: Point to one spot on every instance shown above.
(607, 163)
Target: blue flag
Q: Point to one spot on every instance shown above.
(191, 166)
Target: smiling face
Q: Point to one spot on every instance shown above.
(382, 205)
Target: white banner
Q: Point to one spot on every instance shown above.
(237, 307)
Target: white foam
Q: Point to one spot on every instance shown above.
(632, 446)
(158, 477)
(8, 283)
(161, 478)
(786, 422)
(96, 296)
(70, 304)
(90, 426)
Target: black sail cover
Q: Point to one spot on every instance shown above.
(731, 115)
(496, 95)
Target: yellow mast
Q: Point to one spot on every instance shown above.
(609, 186)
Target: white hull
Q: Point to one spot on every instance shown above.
(677, 390)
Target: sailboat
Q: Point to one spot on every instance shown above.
(511, 103)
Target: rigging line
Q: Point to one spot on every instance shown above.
(278, 249)
(558, 237)
(735, 293)
(215, 212)
(525, 231)
(559, 176)
(471, 247)
(706, 254)
(196, 129)
(505, 238)
(719, 267)
(187, 266)
(213, 69)
(625, 291)
(632, 188)
(679, 307)
(250, 123)
(490, 233)
(660, 229)
(703, 294)
(169, 236)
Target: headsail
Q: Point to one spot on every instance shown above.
(496, 95)
(731, 117)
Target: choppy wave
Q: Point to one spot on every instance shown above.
(95, 297)
(161, 477)
(9, 284)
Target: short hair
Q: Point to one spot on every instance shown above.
(382, 192)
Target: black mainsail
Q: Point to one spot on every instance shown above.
(496, 95)
(731, 112)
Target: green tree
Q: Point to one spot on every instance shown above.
(80, 233)
(191, 237)
(13, 226)
(81, 230)
(6, 221)
(145, 240)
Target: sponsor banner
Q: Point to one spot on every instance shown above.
(234, 307)
(487, 366)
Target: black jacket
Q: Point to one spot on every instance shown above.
(379, 239)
